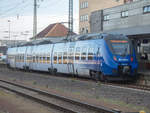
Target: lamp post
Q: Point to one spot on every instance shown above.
(9, 29)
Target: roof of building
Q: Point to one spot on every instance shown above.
(54, 30)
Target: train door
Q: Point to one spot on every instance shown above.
(28, 57)
(99, 75)
(13, 63)
(98, 56)
(52, 58)
(71, 60)
(33, 65)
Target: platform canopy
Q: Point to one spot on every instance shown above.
(134, 32)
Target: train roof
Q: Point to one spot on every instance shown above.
(72, 39)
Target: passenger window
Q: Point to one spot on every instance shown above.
(65, 58)
(44, 59)
(55, 58)
(48, 59)
(40, 59)
(19, 58)
(60, 58)
(90, 54)
(83, 54)
(37, 59)
(77, 53)
(71, 54)
(33, 58)
(23, 58)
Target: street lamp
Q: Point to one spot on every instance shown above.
(9, 28)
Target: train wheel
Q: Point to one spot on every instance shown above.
(97, 76)
(50, 71)
(54, 72)
(102, 77)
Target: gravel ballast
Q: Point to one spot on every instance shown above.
(96, 93)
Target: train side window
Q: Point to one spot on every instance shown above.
(71, 54)
(23, 58)
(44, 59)
(31, 59)
(40, 59)
(77, 53)
(19, 58)
(90, 54)
(55, 58)
(48, 59)
(34, 59)
(65, 58)
(83, 54)
(60, 58)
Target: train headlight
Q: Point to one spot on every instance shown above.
(115, 59)
(131, 59)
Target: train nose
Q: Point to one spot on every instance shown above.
(124, 69)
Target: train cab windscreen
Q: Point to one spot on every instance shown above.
(120, 47)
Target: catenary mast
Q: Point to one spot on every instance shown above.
(35, 20)
(70, 22)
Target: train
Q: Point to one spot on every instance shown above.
(101, 56)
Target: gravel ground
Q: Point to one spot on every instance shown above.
(12, 103)
(92, 92)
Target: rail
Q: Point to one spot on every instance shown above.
(58, 102)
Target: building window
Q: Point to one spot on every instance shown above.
(82, 30)
(86, 30)
(124, 14)
(146, 9)
(128, 1)
(106, 17)
(84, 5)
(84, 18)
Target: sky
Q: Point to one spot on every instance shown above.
(20, 16)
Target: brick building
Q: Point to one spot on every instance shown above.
(88, 6)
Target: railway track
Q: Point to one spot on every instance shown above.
(130, 86)
(57, 102)
(123, 85)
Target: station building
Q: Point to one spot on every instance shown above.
(54, 32)
(88, 6)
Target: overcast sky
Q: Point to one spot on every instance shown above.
(20, 14)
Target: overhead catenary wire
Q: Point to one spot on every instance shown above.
(22, 8)
(15, 9)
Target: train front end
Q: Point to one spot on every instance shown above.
(119, 58)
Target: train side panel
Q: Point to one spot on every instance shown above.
(88, 57)
(59, 58)
(11, 57)
(20, 57)
(41, 57)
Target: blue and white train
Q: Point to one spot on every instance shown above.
(102, 56)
